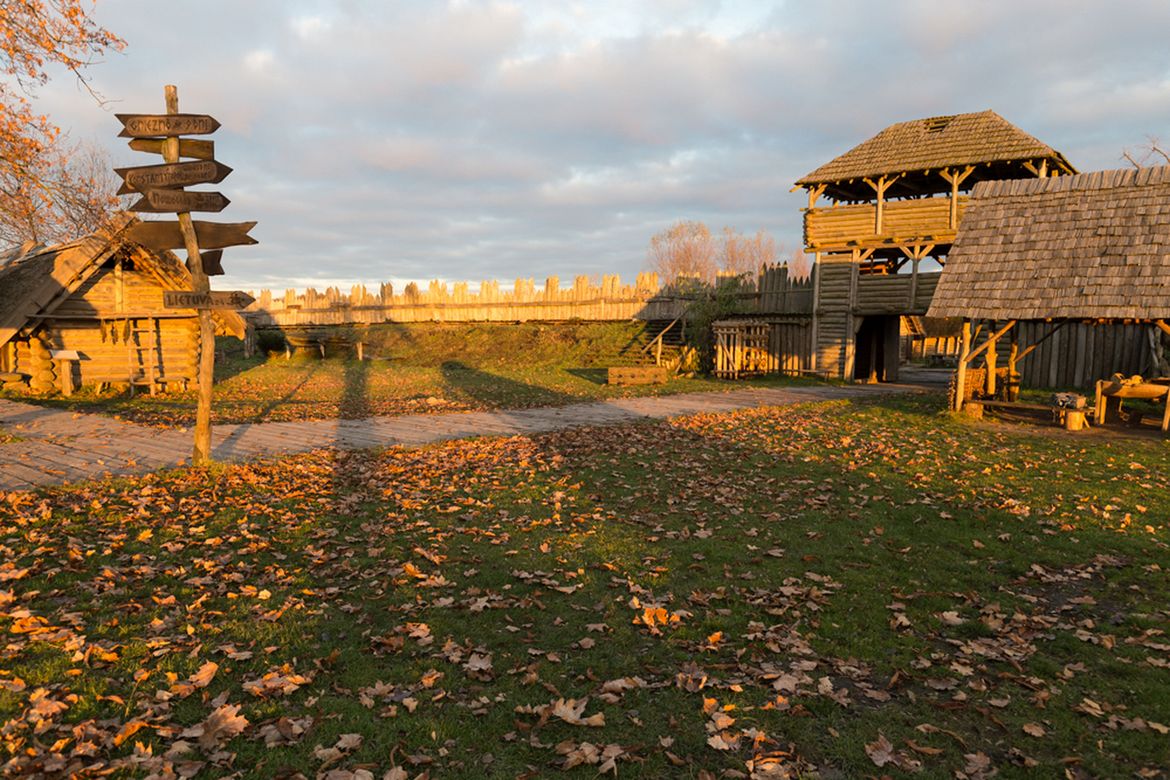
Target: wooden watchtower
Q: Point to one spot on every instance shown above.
(897, 199)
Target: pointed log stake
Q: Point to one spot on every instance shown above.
(201, 455)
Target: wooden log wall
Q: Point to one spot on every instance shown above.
(439, 302)
(850, 225)
(115, 351)
(836, 285)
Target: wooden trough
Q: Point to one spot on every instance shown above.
(1120, 387)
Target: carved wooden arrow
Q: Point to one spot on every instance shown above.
(154, 125)
(210, 235)
(171, 176)
(188, 147)
(175, 201)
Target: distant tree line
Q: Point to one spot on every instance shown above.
(688, 250)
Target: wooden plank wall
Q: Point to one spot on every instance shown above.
(1079, 354)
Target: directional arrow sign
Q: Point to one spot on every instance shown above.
(188, 147)
(153, 125)
(171, 176)
(212, 262)
(212, 299)
(210, 235)
(163, 201)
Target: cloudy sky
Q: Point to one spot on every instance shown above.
(378, 140)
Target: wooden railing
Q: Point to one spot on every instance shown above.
(903, 222)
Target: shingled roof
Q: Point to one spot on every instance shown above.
(934, 143)
(1091, 246)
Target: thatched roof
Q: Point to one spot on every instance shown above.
(35, 279)
(1091, 246)
(921, 145)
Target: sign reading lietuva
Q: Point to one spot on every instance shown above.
(161, 190)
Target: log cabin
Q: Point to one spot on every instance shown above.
(90, 312)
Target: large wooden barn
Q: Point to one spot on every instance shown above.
(91, 312)
(1078, 267)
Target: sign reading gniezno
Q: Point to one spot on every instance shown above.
(150, 125)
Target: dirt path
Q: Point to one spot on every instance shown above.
(56, 447)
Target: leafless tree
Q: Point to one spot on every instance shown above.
(799, 267)
(1148, 152)
(739, 254)
(684, 250)
(70, 194)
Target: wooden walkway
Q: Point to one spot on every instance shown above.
(57, 447)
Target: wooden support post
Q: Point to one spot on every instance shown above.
(879, 187)
(961, 371)
(989, 360)
(955, 179)
(201, 455)
(1013, 386)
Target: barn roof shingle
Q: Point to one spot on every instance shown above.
(1090, 246)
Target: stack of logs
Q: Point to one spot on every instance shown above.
(43, 377)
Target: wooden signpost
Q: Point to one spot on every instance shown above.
(161, 188)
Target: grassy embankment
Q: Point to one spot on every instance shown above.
(414, 368)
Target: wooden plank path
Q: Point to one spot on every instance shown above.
(57, 447)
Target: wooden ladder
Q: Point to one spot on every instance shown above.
(142, 354)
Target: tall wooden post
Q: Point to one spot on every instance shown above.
(1013, 356)
(200, 284)
(990, 359)
(961, 371)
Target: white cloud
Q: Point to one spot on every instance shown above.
(554, 137)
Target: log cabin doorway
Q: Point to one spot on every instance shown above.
(876, 349)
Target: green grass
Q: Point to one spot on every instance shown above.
(415, 369)
(840, 574)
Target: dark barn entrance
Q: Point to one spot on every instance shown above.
(876, 352)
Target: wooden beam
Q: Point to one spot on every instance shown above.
(989, 360)
(813, 194)
(991, 339)
(955, 179)
(961, 371)
(880, 187)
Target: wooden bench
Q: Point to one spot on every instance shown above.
(636, 375)
(65, 358)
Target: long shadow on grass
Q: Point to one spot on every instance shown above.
(227, 448)
(483, 389)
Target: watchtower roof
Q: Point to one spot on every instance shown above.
(935, 143)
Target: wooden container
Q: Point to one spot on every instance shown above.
(1074, 420)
